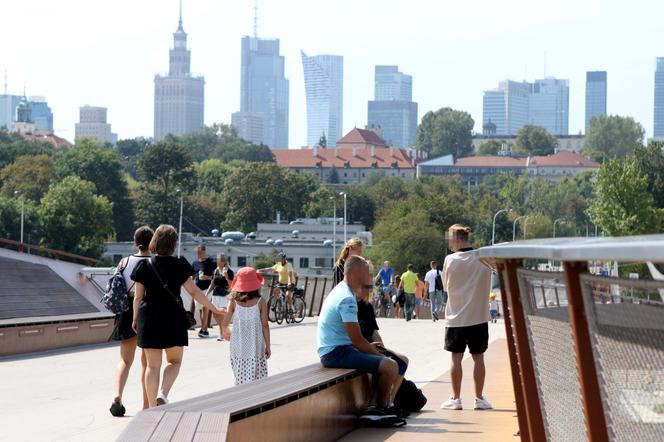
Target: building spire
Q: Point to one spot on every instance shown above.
(180, 19)
(255, 18)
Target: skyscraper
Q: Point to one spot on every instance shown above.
(324, 85)
(549, 105)
(507, 106)
(42, 114)
(595, 95)
(659, 98)
(264, 88)
(249, 126)
(8, 105)
(178, 96)
(92, 123)
(392, 108)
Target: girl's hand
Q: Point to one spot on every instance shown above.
(227, 334)
(134, 325)
(268, 352)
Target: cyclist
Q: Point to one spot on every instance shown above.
(386, 276)
(286, 277)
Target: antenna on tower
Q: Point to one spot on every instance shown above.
(255, 18)
(180, 19)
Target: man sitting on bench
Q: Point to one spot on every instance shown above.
(340, 340)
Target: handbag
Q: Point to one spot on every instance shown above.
(189, 316)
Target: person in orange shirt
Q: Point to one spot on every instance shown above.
(420, 291)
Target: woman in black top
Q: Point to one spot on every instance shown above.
(354, 246)
(159, 316)
(219, 289)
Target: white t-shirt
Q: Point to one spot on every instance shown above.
(467, 281)
(126, 273)
(430, 278)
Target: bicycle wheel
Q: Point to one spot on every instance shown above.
(299, 310)
(271, 310)
(375, 303)
(279, 311)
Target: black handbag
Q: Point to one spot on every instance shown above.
(409, 397)
(189, 316)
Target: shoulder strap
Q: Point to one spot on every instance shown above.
(122, 265)
(161, 281)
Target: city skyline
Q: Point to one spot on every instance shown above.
(450, 66)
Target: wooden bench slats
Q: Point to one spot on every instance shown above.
(166, 427)
(212, 427)
(142, 429)
(187, 428)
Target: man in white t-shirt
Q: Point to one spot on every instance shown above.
(467, 281)
(433, 280)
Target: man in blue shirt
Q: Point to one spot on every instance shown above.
(386, 275)
(339, 337)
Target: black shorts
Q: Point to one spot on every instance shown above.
(476, 337)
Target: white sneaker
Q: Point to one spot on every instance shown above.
(482, 404)
(162, 399)
(452, 404)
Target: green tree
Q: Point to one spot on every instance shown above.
(129, 151)
(10, 220)
(101, 166)
(166, 164)
(534, 140)
(221, 141)
(333, 177)
(13, 145)
(210, 174)
(322, 142)
(446, 131)
(29, 175)
(265, 260)
(491, 147)
(74, 218)
(612, 136)
(203, 212)
(649, 163)
(623, 205)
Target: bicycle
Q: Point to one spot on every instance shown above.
(382, 301)
(277, 306)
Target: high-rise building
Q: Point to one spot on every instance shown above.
(506, 107)
(264, 88)
(324, 86)
(659, 98)
(179, 96)
(595, 95)
(41, 114)
(24, 123)
(549, 105)
(92, 123)
(249, 126)
(392, 108)
(8, 105)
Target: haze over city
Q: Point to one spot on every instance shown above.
(106, 54)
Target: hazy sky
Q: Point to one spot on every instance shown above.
(106, 53)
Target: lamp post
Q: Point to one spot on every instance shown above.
(554, 225)
(493, 225)
(180, 225)
(334, 228)
(345, 218)
(16, 192)
(514, 226)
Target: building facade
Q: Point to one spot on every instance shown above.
(595, 95)
(264, 88)
(8, 105)
(571, 143)
(179, 101)
(249, 126)
(24, 123)
(507, 107)
(323, 83)
(93, 123)
(42, 114)
(392, 108)
(659, 99)
(549, 105)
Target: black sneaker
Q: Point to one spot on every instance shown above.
(435, 316)
(399, 412)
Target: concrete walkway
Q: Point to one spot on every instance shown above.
(64, 395)
(434, 424)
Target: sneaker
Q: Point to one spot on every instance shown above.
(435, 316)
(482, 404)
(452, 404)
(162, 399)
(203, 334)
(221, 339)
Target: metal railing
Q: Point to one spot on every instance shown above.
(34, 249)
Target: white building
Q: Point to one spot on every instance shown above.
(92, 123)
(324, 88)
(249, 126)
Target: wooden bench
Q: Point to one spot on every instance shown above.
(311, 403)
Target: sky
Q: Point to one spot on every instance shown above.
(106, 53)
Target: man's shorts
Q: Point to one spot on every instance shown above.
(476, 337)
(400, 362)
(347, 356)
(418, 302)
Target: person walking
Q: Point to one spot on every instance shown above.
(204, 268)
(409, 285)
(250, 337)
(160, 320)
(433, 280)
(467, 281)
(420, 295)
(354, 247)
(123, 330)
(219, 289)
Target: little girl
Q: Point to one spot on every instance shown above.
(250, 339)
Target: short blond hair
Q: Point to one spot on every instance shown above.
(459, 231)
(352, 243)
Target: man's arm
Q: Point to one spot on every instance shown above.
(355, 335)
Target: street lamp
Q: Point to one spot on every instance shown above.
(493, 225)
(514, 226)
(180, 225)
(345, 218)
(554, 225)
(334, 228)
(16, 193)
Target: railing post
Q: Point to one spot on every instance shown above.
(313, 297)
(521, 412)
(524, 354)
(591, 397)
(322, 295)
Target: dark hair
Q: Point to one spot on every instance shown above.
(459, 232)
(245, 296)
(201, 248)
(164, 241)
(410, 267)
(142, 237)
(433, 263)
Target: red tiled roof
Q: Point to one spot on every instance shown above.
(362, 136)
(384, 158)
(562, 159)
(490, 161)
(51, 138)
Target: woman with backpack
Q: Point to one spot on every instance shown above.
(160, 320)
(123, 330)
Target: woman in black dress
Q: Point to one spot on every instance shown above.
(354, 246)
(159, 316)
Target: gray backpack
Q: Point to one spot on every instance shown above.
(116, 296)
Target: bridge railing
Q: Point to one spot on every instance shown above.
(34, 249)
(586, 351)
(316, 288)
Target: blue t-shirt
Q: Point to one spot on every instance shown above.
(386, 275)
(340, 306)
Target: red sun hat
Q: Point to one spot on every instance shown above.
(247, 280)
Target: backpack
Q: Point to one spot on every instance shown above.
(116, 296)
(409, 397)
(439, 281)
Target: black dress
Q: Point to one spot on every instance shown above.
(338, 272)
(161, 319)
(366, 317)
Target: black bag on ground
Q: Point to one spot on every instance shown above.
(409, 397)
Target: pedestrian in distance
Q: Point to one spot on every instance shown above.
(434, 283)
(204, 267)
(123, 330)
(409, 286)
(493, 307)
(399, 298)
(250, 335)
(219, 290)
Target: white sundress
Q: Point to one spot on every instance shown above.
(247, 345)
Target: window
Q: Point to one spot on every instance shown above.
(345, 174)
(304, 263)
(322, 262)
(241, 261)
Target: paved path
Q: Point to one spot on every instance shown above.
(64, 395)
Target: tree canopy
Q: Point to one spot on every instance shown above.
(534, 140)
(29, 175)
(612, 136)
(446, 131)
